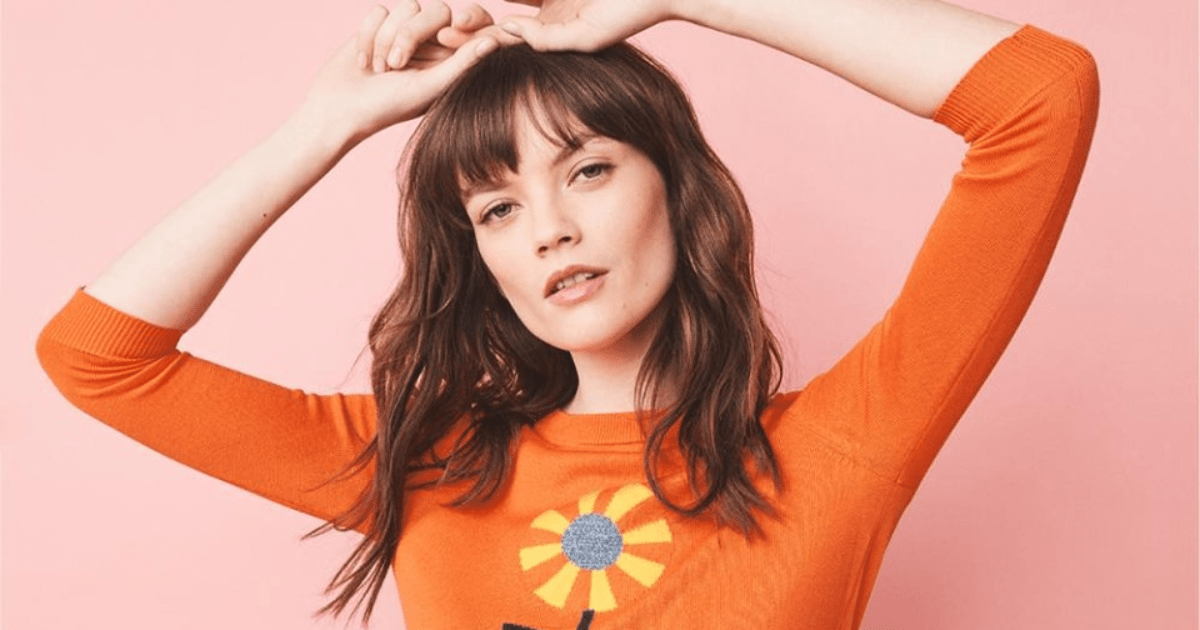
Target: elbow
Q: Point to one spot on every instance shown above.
(65, 368)
(1085, 82)
(1060, 117)
(1077, 88)
(91, 351)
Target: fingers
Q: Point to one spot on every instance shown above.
(411, 33)
(474, 26)
(465, 25)
(385, 36)
(441, 75)
(571, 35)
(389, 39)
(473, 18)
(365, 39)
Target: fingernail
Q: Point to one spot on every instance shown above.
(486, 46)
(511, 27)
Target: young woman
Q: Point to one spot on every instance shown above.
(574, 419)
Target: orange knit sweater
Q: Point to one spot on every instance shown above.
(575, 539)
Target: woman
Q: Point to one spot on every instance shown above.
(574, 420)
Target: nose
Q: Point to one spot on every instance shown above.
(553, 226)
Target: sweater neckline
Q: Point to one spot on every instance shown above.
(593, 429)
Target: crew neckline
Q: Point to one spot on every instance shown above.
(574, 430)
(593, 429)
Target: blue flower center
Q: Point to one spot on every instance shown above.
(592, 541)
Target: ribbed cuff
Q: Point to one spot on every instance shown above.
(1005, 78)
(92, 326)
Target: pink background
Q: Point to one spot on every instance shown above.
(1067, 498)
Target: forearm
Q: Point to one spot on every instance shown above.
(909, 52)
(171, 275)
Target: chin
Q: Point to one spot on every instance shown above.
(631, 337)
(583, 341)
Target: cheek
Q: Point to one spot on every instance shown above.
(665, 262)
(660, 242)
(509, 271)
(493, 262)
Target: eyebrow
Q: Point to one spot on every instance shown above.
(570, 148)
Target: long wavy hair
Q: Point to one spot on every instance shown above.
(451, 358)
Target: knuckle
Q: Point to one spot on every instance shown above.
(478, 16)
(385, 35)
(387, 28)
(403, 36)
(441, 15)
(371, 21)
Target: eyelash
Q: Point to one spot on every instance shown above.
(494, 212)
(604, 167)
(491, 213)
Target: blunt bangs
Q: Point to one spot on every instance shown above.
(468, 137)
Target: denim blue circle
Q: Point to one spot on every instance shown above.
(592, 541)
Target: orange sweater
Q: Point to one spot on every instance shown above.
(575, 538)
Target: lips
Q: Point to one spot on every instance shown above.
(571, 276)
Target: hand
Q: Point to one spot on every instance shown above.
(399, 62)
(586, 25)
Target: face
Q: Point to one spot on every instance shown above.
(579, 242)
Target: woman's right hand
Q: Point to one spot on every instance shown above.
(398, 63)
(171, 275)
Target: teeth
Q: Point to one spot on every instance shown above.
(571, 281)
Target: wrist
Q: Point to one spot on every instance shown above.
(323, 129)
(714, 14)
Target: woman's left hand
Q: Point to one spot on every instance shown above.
(586, 25)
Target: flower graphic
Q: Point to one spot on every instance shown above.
(593, 542)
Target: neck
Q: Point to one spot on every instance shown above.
(608, 377)
(607, 382)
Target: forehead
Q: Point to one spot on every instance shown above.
(539, 136)
(535, 135)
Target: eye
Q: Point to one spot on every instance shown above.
(595, 170)
(496, 212)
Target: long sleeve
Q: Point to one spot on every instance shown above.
(1028, 109)
(282, 444)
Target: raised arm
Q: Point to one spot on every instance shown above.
(112, 350)
(1024, 99)
(908, 52)
(383, 76)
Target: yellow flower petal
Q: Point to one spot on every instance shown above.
(587, 503)
(646, 572)
(533, 556)
(626, 499)
(654, 532)
(602, 598)
(551, 521)
(557, 588)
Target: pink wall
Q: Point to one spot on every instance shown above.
(1066, 499)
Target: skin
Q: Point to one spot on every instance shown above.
(908, 52)
(603, 205)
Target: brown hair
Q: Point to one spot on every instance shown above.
(449, 351)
